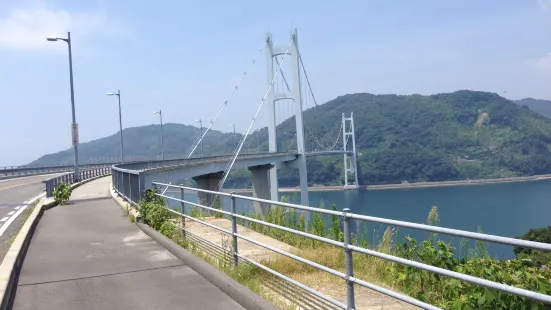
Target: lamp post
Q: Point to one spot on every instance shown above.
(74, 126)
(200, 121)
(118, 94)
(160, 112)
(233, 125)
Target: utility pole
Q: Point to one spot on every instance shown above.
(74, 125)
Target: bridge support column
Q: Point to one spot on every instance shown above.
(208, 182)
(261, 187)
(301, 146)
(272, 126)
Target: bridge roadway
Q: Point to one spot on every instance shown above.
(14, 197)
(87, 255)
(179, 169)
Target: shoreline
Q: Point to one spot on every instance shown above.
(409, 185)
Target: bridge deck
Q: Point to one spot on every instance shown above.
(86, 255)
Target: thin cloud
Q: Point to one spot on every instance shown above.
(545, 4)
(545, 61)
(27, 28)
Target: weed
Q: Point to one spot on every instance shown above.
(62, 193)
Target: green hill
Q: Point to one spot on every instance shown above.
(460, 135)
(543, 107)
(144, 142)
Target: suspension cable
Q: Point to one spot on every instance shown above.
(236, 154)
(332, 146)
(283, 76)
(307, 79)
(312, 93)
(224, 104)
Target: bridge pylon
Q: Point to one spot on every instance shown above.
(350, 160)
(295, 93)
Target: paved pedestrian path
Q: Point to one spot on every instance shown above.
(87, 255)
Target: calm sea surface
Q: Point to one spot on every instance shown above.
(507, 209)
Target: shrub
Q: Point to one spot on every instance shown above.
(62, 193)
(152, 209)
(538, 257)
(156, 215)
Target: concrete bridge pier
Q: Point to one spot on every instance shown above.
(208, 182)
(260, 176)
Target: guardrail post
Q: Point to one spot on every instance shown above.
(350, 304)
(122, 187)
(129, 188)
(234, 231)
(182, 211)
(48, 188)
(141, 184)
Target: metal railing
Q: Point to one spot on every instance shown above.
(128, 183)
(35, 170)
(348, 248)
(69, 178)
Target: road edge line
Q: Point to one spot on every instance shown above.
(9, 269)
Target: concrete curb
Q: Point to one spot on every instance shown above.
(125, 205)
(236, 291)
(11, 265)
(9, 270)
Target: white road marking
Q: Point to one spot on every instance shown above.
(25, 202)
(11, 212)
(4, 219)
(17, 207)
(13, 217)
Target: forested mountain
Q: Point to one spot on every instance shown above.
(144, 142)
(460, 135)
(543, 107)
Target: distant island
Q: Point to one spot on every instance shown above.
(464, 135)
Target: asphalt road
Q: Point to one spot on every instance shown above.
(87, 256)
(15, 195)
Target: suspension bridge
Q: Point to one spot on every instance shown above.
(97, 253)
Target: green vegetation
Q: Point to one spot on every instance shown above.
(543, 107)
(460, 135)
(538, 257)
(441, 291)
(152, 210)
(62, 193)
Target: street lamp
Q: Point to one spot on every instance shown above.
(200, 121)
(118, 94)
(233, 125)
(74, 126)
(160, 112)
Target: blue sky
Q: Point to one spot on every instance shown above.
(184, 57)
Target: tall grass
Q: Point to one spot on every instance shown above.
(441, 291)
